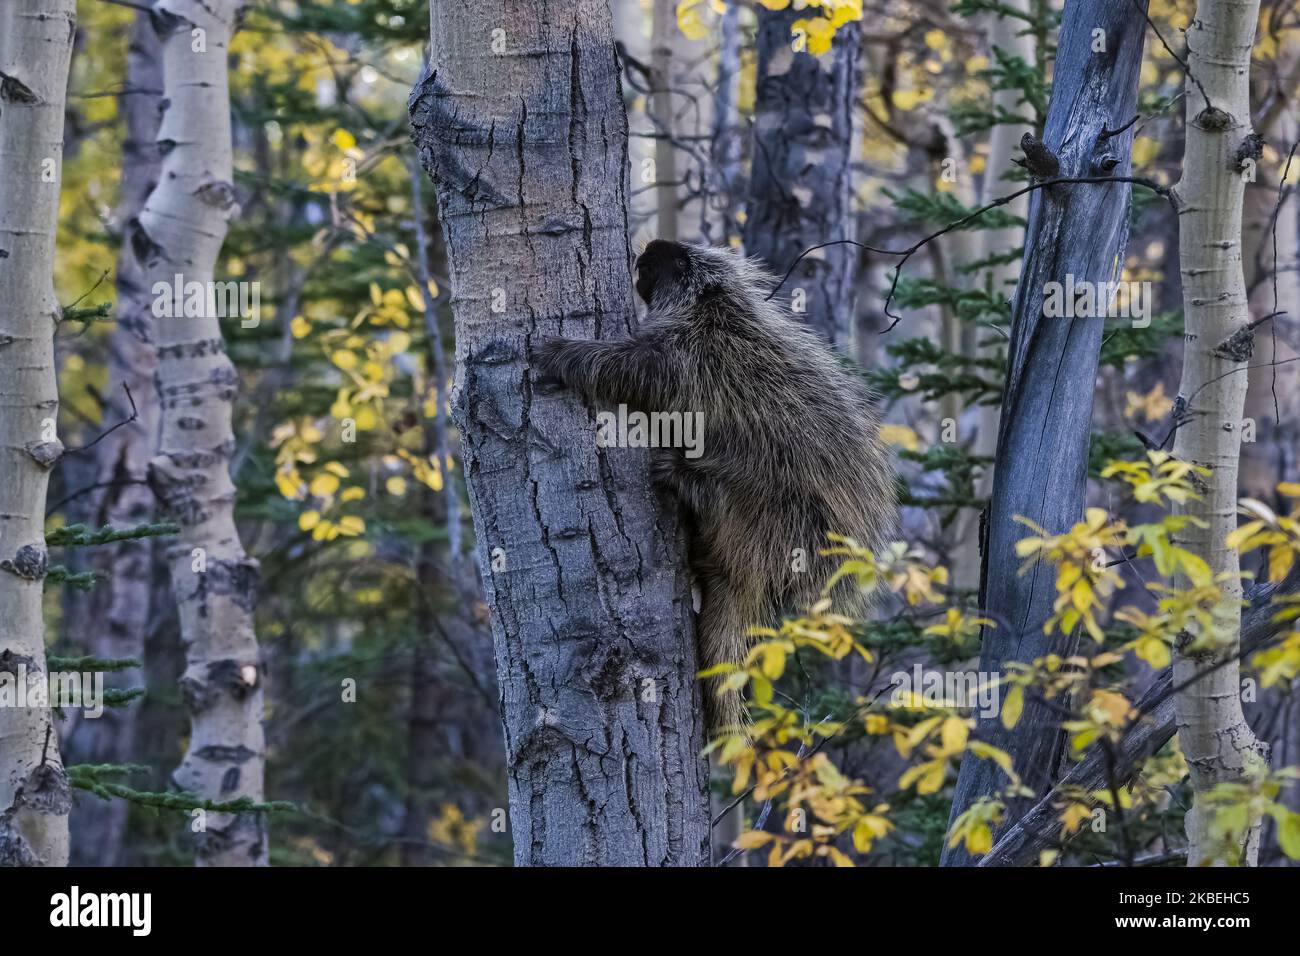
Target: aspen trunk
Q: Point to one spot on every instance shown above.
(1216, 740)
(180, 233)
(521, 125)
(35, 51)
(115, 615)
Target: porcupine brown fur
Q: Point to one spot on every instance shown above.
(791, 445)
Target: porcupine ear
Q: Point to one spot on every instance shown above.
(663, 265)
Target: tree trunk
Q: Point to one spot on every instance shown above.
(1042, 455)
(35, 51)
(214, 583)
(115, 615)
(523, 131)
(723, 191)
(1008, 34)
(662, 34)
(800, 191)
(1270, 245)
(1216, 740)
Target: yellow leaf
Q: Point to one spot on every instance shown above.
(979, 839)
(324, 485)
(289, 484)
(901, 436)
(308, 520)
(1145, 150)
(753, 839)
(954, 735)
(396, 486)
(691, 21)
(1280, 560)
(1012, 706)
(351, 525)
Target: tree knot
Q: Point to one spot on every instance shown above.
(30, 563)
(45, 453)
(1237, 347)
(1214, 119)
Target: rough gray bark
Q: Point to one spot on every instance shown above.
(583, 569)
(115, 616)
(181, 231)
(663, 33)
(1042, 457)
(723, 189)
(35, 51)
(1041, 829)
(800, 191)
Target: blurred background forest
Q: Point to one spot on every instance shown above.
(381, 705)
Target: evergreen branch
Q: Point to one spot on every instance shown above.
(97, 779)
(97, 313)
(92, 663)
(80, 580)
(79, 536)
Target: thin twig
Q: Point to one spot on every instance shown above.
(135, 415)
(1186, 69)
(911, 250)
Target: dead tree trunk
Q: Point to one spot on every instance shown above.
(1042, 457)
(35, 51)
(521, 125)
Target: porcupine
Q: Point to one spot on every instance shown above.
(791, 445)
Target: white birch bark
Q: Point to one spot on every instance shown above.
(214, 583)
(1216, 740)
(35, 51)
